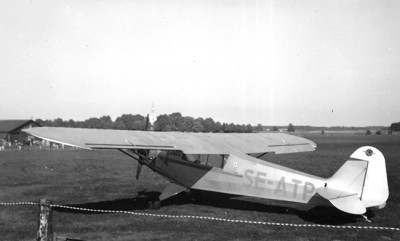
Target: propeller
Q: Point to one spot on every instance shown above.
(138, 170)
(142, 156)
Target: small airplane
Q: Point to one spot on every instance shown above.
(230, 163)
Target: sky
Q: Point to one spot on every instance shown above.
(316, 62)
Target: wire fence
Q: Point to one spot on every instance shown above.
(59, 206)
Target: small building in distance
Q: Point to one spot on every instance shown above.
(10, 131)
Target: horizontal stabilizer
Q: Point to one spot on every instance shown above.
(350, 204)
(343, 201)
(329, 193)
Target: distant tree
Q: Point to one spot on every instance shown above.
(58, 122)
(119, 124)
(131, 122)
(249, 128)
(322, 132)
(259, 128)
(167, 128)
(93, 123)
(49, 123)
(71, 123)
(243, 129)
(368, 132)
(176, 121)
(80, 124)
(148, 124)
(290, 128)
(106, 122)
(231, 128)
(139, 122)
(187, 123)
(378, 132)
(236, 128)
(171, 122)
(395, 126)
(218, 127)
(209, 125)
(224, 127)
(197, 126)
(275, 128)
(161, 123)
(40, 122)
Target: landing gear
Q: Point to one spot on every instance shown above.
(148, 199)
(153, 203)
(366, 218)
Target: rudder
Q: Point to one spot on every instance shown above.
(360, 183)
(375, 189)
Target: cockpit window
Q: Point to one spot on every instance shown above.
(213, 160)
(175, 153)
(216, 160)
(197, 158)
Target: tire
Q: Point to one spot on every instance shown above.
(154, 204)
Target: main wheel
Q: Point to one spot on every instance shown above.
(157, 204)
(154, 203)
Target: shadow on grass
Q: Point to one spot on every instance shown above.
(127, 204)
(319, 214)
(319, 211)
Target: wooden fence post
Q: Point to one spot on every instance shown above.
(44, 224)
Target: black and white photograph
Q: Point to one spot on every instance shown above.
(199, 120)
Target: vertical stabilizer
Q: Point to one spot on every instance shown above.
(360, 183)
(375, 189)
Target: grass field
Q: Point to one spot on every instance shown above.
(106, 180)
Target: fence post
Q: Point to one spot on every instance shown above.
(44, 224)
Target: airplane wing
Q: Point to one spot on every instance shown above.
(189, 143)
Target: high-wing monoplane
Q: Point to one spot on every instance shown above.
(229, 163)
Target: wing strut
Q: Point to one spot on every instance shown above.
(263, 154)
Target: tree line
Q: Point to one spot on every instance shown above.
(171, 122)
(395, 126)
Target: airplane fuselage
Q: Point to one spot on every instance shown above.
(245, 175)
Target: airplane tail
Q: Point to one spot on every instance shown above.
(360, 183)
